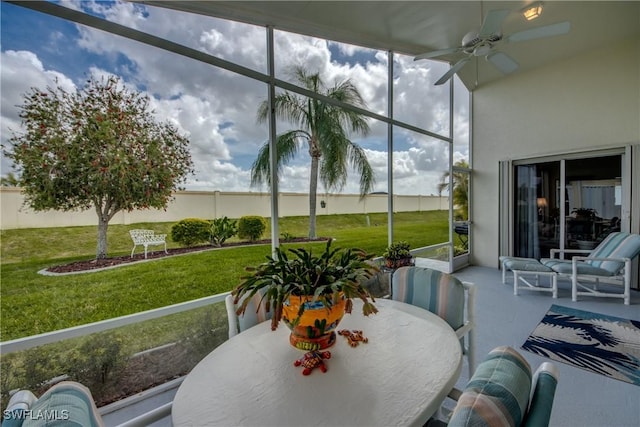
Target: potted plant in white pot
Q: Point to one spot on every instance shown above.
(310, 293)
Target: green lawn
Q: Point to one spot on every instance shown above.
(32, 303)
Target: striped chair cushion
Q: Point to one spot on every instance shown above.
(498, 393)
(564, 266)
(438, 292)
(524, 264)
(254, 314)
(615, 245)
(70, 402)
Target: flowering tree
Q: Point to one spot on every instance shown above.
(98, 147)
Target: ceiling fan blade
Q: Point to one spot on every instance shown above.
(541, 32)
(457, 66)
(503, 62)
(437, 53)
(493, 22)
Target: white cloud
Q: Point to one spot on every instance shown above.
(217, 108)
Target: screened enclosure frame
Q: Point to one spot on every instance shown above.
(272, 82)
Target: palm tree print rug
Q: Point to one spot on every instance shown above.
(596, 342)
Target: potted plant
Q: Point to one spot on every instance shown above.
(398, 255)
(309, 292)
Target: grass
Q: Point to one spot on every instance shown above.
(32, 303)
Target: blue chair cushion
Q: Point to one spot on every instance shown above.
(564, 266)
(437, 292)
(66, 404)
(498, 393)
(524, 264)
(615, 245)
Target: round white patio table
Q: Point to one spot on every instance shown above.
(400, 377)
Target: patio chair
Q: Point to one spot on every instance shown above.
(67, 403)
(502, 392)
(254, 314)
(609, 262)
(442, 294)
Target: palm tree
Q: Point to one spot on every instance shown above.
(323, 129)
(460, 193)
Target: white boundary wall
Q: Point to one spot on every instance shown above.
(210, 205)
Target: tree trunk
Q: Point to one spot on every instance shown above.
(313, 188)
(101, 252)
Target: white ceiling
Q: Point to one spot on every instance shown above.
(414, 27)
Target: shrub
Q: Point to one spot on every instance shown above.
(96, 361)
(251, 227)
(191, 231)
(41, 365)
(287, 236)
(222, 229)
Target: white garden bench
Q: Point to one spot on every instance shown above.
(147, 238)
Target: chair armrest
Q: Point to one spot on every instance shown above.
(568, 251)
(471, 314)
(231, 315)
(544, 383)
(586, 258)
(20, 402)
(462, 330)
(470, 324)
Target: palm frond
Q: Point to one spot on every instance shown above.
(358, 160)
(287, 146)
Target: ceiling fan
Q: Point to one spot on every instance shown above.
(484, 43)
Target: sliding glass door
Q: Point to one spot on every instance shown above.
(567, 203)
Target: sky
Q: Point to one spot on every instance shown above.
(216, 109)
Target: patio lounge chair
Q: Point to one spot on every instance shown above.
(609, 262)
(502, 392)
(522, 269)
(442, 294)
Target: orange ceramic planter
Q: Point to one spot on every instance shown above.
(315, 329)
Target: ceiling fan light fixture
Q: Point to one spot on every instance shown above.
(532, 11)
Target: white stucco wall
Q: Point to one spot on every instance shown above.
(212, 204)
(586, 102)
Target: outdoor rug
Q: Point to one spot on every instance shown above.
(599, 343)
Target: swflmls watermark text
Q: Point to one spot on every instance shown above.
(40, 414)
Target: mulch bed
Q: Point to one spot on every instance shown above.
(94, 264)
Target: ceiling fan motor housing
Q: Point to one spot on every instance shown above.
(472, 39)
